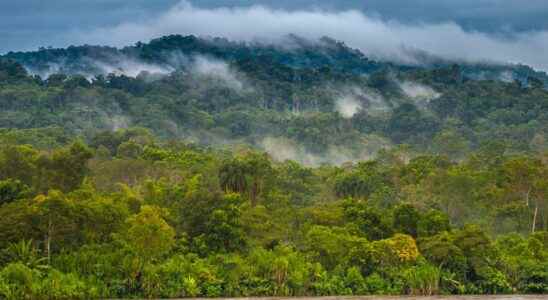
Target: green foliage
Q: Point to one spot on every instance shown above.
(361, 182)
(148, 234)
(367, 219)
(18, 163)
(288, 93)
(11, 190)
(24, 252)
(441, 251)
(188, 204)
(432, 223)
(20, 282)
(406, 220)
(224, 229)
(423, 279)
(183, 230)
(66, 168)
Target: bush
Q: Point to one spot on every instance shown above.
(376, 285)
(423, 280)
(20, 282)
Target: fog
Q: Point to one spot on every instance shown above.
(348, 106)
(130, 67)
(350, 100)
(282, 149)
(203, 66)
(418, 91)
(91, 67)
(377, 38)
(196, 65)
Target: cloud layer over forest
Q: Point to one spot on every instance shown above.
(377, 38)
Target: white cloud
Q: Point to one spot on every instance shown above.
(418, 91)
(348, 106)
(218, 69)
(89, 67)
(349, 100)
(130, 67)
(379, 39)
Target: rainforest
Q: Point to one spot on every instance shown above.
(206, 167)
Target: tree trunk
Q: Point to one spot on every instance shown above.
(48, 240)
(527, 201)
(254, 192)
(527, 196)
(534, 218)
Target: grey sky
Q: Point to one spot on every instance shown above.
(381, 25)
(483, 15)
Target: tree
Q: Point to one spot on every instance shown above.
(524, 177)
(535, 83)
(403, 247)
(366, 219)
(55, 215)
(450, 143)
(258, 167)
(352, 185)
(331, 245)
(246, 174)
(149, 234)
(56, 79)
(11, 70)
(406, 219)
(11, 190)
(362, 181)
(456, 191)
(232, 176)
(441, 251)
(18, 163)
(432, 223)
(478, 250)
(224, 230)
(408, 121)
(540, 199)
(129, 149)
(66, 168)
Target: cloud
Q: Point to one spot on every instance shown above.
(91, 67)
(350, 100)
(52, 68)
(210, 67)
(506, 76)
(377, 38)
(418, 91)
(129, 67)
(348, 106)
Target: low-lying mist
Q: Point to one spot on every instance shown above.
(282, 149)
(92, 67)
(195, 65)
(350, 100)
(417, 91)
(210, 67)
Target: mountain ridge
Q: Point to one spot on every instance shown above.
(313, 102)
(293, 51)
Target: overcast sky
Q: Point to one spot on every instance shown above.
(498, 30)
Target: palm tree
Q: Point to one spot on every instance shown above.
(232, 176)
(245, 174)
(25, 253)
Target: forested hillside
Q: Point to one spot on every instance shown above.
(307, 100)
(190, 167)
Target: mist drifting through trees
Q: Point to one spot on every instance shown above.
(204, 167)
